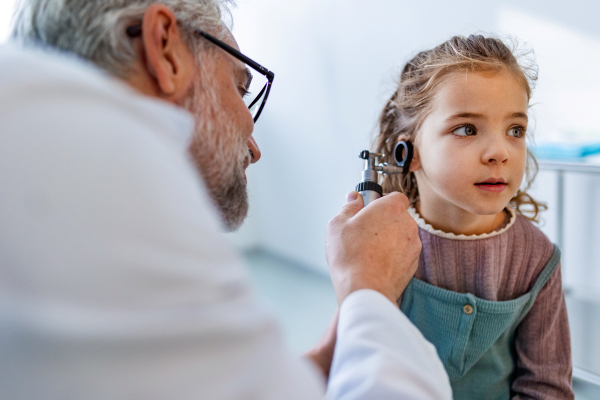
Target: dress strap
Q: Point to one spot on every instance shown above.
(547, 272)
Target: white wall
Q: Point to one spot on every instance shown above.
(335, 62)
(6, 12)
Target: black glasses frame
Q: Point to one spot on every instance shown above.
(136, 30)
(253, 64)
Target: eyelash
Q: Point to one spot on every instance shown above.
(244, 92)
(522, 130)
(464, 126)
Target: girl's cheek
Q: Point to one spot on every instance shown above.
(446, 170)
(521, 161)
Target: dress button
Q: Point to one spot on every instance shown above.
(468, 309)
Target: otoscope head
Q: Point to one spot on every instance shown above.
(366, 155)
(403, 154)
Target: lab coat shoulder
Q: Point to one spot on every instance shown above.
(115, 280)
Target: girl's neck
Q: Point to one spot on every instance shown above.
(459, 221)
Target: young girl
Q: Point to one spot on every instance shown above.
(487, 292)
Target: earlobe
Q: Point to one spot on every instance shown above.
(415, 165)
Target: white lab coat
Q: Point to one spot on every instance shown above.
(115, 281)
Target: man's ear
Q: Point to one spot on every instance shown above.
(168, 59)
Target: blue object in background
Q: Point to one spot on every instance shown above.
(565, 150)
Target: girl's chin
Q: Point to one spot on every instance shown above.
(478, 206)
(486, 208)
(489, 201)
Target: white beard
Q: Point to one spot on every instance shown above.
(220, 154)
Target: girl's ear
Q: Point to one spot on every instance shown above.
(415, 164)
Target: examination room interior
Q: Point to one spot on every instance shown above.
(335, 64)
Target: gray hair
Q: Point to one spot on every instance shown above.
(96, 29)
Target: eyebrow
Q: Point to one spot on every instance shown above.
(519, 115)
(464, 115)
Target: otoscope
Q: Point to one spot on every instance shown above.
(369, 187)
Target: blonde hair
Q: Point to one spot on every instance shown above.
(410, 104)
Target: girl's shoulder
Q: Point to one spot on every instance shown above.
(533, 246)
(526, 230)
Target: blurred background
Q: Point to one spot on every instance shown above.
(335, 64)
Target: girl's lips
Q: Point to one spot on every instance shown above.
(491, 187)
(491, 181)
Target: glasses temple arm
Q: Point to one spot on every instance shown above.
(234, 52)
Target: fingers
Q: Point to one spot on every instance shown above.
(352, 196)
(332, 327)
(322, 353)
(396, 197)
(354, 203)
(402, 199)
(375, 247)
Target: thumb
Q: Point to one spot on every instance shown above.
(354, 203)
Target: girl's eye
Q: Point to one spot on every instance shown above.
(517, 131)
(244, 92)
(466, 130)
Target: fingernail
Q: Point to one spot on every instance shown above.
(351, 196)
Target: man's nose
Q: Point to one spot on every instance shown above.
(254, 150)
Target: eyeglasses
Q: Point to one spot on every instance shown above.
(256, 92)
(257, 102)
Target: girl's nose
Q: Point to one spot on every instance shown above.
(496, 151)
(254, 150)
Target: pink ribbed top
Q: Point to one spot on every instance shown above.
(503, 265)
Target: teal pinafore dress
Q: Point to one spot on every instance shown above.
(473, 337)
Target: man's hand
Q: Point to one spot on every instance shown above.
(322, 354)
(375, 247)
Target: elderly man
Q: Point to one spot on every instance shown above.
(114, 280)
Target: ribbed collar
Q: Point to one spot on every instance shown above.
(448, 235)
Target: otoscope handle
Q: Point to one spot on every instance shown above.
(370, 191)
